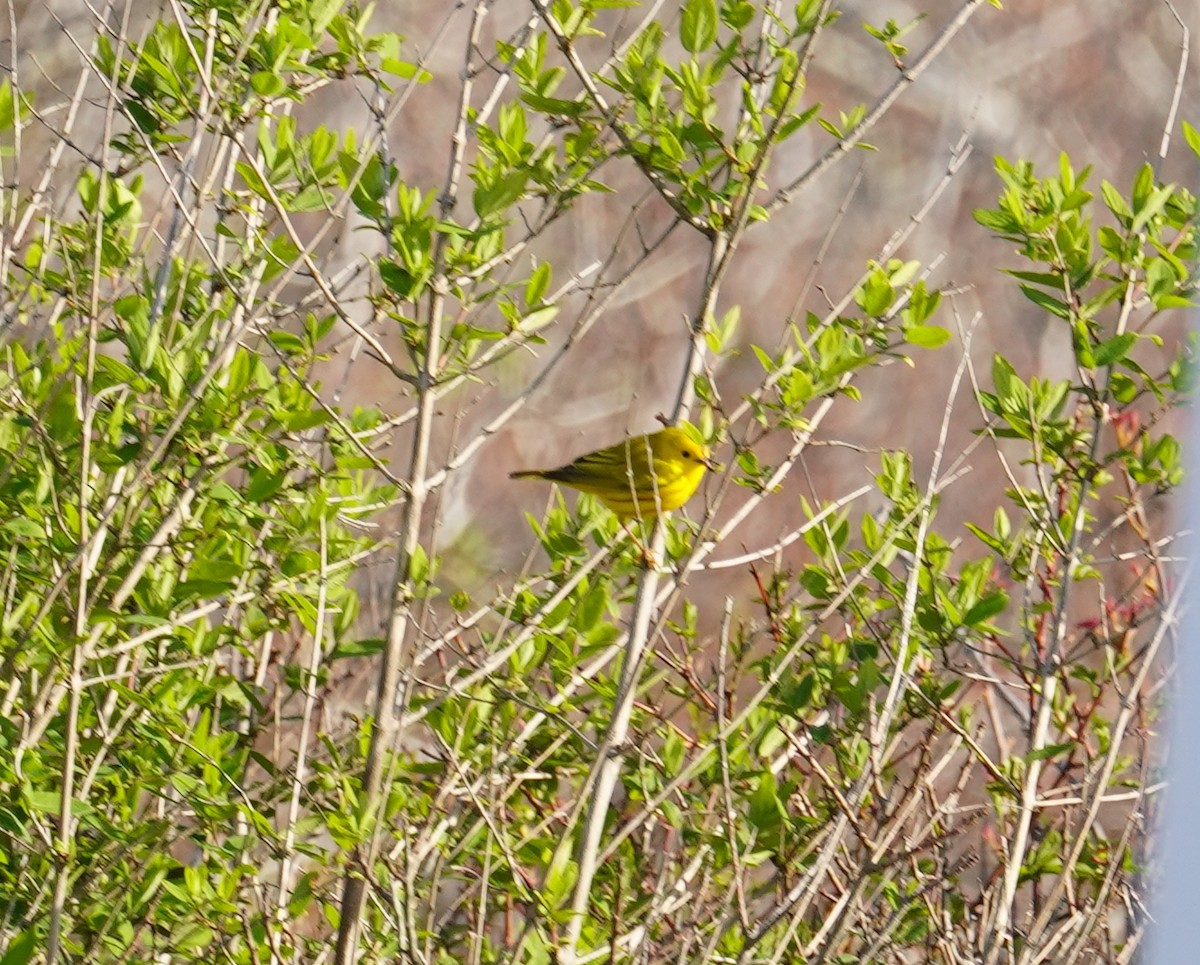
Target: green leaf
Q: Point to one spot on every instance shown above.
(1192, 136)
(1115, 202)
(1052, 750)
(288, 342)
(538, 284)
(1042, 300)
(766, 810)
(1113, 349)
(267, 84)
(986, 608)
(192, 937)
(264, 484)
(368, 647)
(25, 528)
(1154, 206)
(591, 608)
(560, 876)
(1011, 392)
(1043, 278)
(926, 336)
(737, 13)
(321, 14)
(418, 565)
(698, 25)
(493, 198)
(538, 319)
(764, 359)
(10, 106)
(877, 294)
(405, 70)
(21, 949)
(1001, 523)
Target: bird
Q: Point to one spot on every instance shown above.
(641, 476)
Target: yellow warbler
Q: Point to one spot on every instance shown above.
(642, 476)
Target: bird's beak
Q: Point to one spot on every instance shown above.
(712, 465)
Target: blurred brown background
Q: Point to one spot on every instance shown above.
(1094, 78)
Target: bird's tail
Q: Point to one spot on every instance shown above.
(528, 474)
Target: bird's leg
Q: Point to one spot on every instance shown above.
(647, 558)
